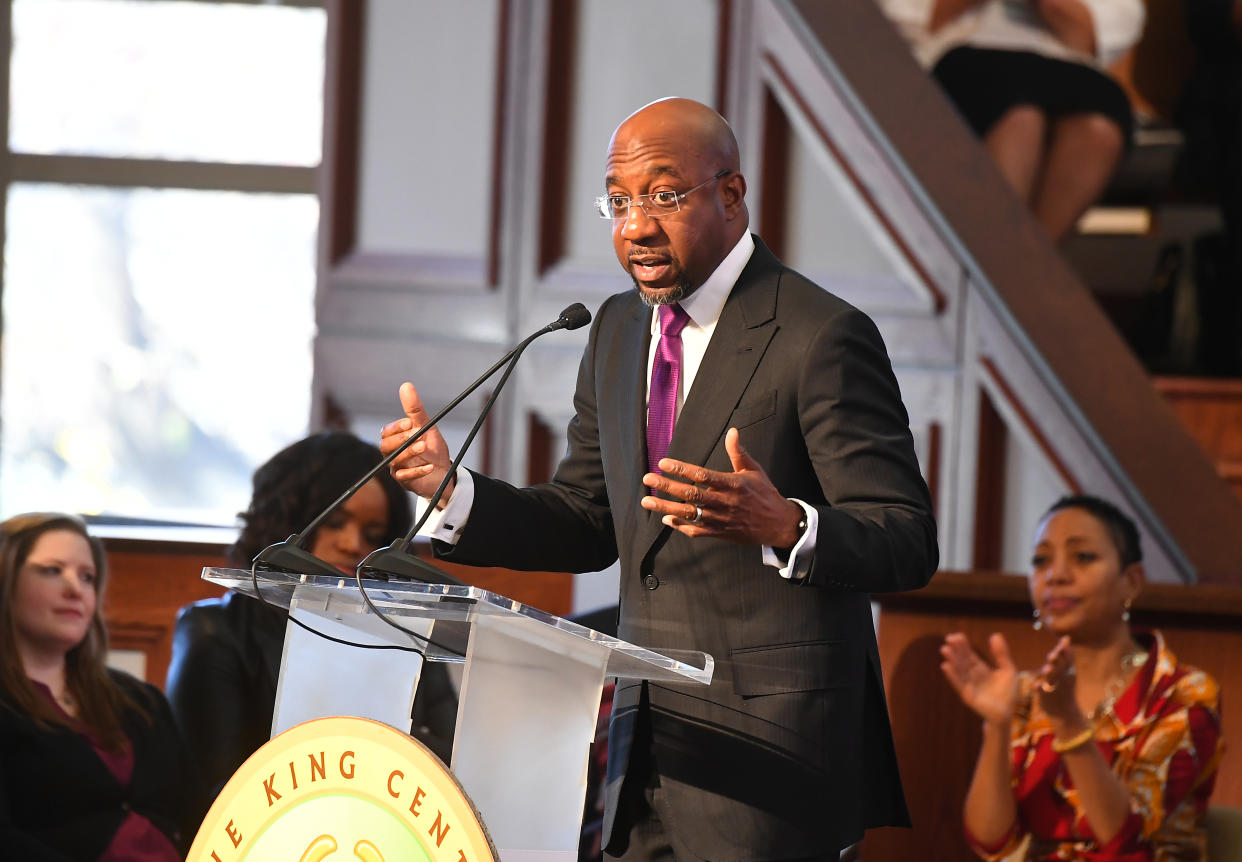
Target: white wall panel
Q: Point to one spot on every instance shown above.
(1031, 486)
(831, 231)
(622, 62)
(429, 84)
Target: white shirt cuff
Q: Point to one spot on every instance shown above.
(799, 562)
(446, 524)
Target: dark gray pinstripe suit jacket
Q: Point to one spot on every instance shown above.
(789, 752)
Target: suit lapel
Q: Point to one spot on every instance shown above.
(622, 400)
(746, 326)
(737, 345)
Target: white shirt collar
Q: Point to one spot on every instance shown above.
(705, 304)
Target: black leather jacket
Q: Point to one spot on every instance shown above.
(222, 685)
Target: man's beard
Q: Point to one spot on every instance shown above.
(682, 289)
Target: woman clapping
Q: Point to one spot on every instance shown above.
(1109, 750)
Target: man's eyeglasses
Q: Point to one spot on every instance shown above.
(655, 205)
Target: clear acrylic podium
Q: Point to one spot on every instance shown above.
(529, 695)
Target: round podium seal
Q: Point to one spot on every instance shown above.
(343, 790)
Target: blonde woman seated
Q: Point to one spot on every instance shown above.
(91, 766)
(1109, 750)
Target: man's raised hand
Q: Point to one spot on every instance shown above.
(742, 506)
(422, 466)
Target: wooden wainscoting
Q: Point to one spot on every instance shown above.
(938, 738)
(1211, 410)
(150, 580)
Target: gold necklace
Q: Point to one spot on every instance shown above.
(1129, 662)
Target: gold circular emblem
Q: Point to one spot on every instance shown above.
(343, 790)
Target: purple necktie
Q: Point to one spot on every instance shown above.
(665, 376)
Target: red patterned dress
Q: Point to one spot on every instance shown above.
(1162, 737)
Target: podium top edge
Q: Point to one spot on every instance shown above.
(627, 660)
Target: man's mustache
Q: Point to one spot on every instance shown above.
(643, 251)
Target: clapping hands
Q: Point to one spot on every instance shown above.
(1057, 684)
(990, 691)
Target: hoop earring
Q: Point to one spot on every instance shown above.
(1038, 623)
(1125, 612)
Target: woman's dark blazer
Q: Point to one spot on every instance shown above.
(59, 802)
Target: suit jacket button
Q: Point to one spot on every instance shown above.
(651, 582)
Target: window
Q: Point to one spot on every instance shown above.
(159, 252)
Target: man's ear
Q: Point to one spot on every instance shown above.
(733, 194)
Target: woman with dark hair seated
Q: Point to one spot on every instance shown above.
(91, 765)
(226, 652)
(1108, 751)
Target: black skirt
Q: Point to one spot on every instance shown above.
(985, 83)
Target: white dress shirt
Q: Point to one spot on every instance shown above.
(703, 308)
(1014, 25)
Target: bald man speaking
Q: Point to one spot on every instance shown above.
(739, 442)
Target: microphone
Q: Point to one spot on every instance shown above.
(575, 316)
(292, 556)
(396, 559)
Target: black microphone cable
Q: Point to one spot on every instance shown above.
(254, 580)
